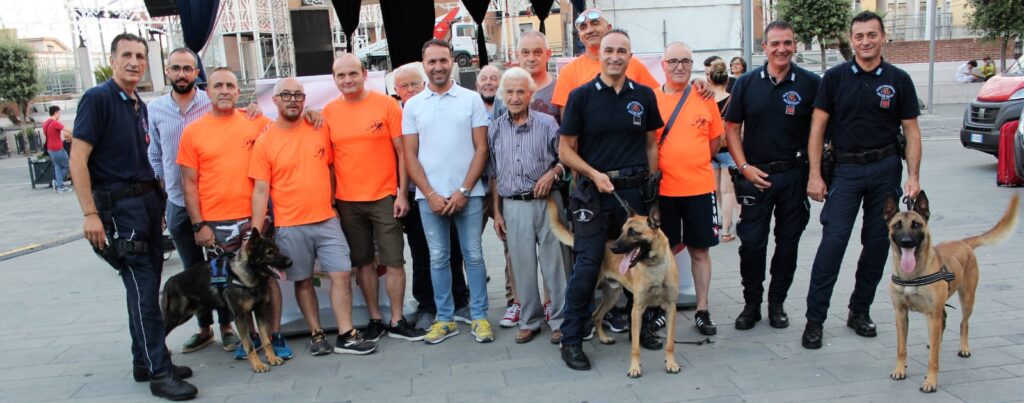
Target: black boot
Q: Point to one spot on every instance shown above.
(751, 314)
(649, 338)
(169, 387)
(141, 374)
(862, 324)
(777, 317)
(812, 335)
(574, 357)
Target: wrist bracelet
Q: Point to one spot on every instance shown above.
(89, 214)
(431, 194)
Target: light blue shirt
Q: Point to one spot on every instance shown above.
(444, 123)
(166, 122)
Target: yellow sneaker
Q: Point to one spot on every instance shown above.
(441, 331)
(482, 331)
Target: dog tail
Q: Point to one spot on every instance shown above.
(557, 226)
(1002, 230)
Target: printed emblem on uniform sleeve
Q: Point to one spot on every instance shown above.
(885, 92)
(583, 215)
(792, 99)
(637, 110)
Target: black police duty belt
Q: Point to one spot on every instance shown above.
(627, 178)
(131, 190)
(866, 157)
(781, 166)
(942, 274)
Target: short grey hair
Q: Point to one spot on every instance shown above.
(533, 33)
(414, 67)
(516, 73)
(280, 83)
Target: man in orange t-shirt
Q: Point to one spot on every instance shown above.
(592, 26)
(689, 213)
(291, 164)
(366, 135)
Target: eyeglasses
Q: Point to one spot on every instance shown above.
(410, 85)
(593, 15)
(673, 63)
(288, 96)
(181, 69)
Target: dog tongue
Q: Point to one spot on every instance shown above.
(908, 262)
(628, 260)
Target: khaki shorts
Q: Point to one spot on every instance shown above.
(366, 222)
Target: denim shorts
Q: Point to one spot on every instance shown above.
(722, 160)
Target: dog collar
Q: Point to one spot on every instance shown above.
(942, 274)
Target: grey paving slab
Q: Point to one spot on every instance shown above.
(63, 329)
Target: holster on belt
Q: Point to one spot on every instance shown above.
(747, 194)
(118, 249)
(649, 190)
(828, 165)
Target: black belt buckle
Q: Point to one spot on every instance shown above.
(526, 196)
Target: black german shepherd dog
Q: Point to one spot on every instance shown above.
(245, 292)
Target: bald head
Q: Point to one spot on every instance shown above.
(487, 83)
(290, 98)
(592, 26)
(349, 76)
(532, 53)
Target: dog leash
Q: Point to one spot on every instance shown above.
(707, 340)
(629, 210)
(909, 201)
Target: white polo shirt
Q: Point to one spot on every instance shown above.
(444, 123)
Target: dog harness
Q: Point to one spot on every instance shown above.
(942, 274)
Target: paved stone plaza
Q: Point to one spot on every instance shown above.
(63, 325)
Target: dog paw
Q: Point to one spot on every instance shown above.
(260, 368)
(964, 353)
(899, 374)
(928, 386)
(672, 368)
(606, 340)
(275, 361)
(634, 372)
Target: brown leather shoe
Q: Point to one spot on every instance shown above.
(556, 336)
(525, 335)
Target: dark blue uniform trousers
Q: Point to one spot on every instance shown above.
(139, 219)
(787, 199)
(853, 183)
(588, 246)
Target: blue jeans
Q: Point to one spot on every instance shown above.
(437, 229)
(61, 166)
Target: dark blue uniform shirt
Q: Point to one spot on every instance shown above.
(118, 129)
(776, 117)
(611, 128)
(866, 107)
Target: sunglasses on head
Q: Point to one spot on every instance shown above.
(593, 15)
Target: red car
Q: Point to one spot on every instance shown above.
(999, 102)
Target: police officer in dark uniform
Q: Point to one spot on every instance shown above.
(864, 103)
(773, 103)
(123, 205)
(608, 139)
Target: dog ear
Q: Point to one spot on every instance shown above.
(921, 205)
(891, 208)
(654, 218)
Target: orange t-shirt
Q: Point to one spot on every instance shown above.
(218, 148)
(583, 69)
(366, 166)
(296, 163)
(685, 156)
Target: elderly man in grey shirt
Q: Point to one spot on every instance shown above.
(524, 165)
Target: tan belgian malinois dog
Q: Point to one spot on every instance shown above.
(642, 261)
(951, 267)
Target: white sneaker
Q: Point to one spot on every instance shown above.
(511, 318)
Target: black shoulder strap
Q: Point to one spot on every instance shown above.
(672, 119)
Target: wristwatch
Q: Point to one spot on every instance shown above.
(464, 191)
(744, 166)
(199, 225)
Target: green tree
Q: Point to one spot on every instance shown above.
(18, 81)
(102, 74)
(997, 19)
(826, 21)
